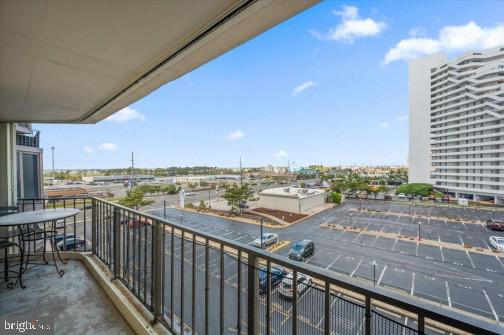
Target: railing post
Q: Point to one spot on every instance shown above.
(117, 243)
(367, 316)
(327, 308)
(421, 324)
(252, 290)
(94, 221)
(157, 270)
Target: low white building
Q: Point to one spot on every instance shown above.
(291, 199)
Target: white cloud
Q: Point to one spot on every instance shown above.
(352, 26)
(450, 38)
(281, 154)
(300, 88)
(384, 125)
(125, 115)
(235, 135)
(87, 149)
(402, 117)
(108, 147)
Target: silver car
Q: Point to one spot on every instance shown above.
(268, 239)
(497, 242)
(286, 288)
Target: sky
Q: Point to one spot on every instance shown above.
(327, 86)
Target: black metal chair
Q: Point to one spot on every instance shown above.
(6, 242)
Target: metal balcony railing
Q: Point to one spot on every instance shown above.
(194, 282)
(28, 140)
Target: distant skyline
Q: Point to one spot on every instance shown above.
(329, 85)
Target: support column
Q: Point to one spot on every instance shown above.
(8, 165)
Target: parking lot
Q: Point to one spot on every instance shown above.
(462, 279)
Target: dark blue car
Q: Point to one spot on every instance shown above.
(277, 274)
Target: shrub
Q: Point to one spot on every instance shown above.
(335, 197)
(415, 189)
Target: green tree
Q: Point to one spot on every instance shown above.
(134, 198)
(238, 195)
(421, 189)
(202, 204)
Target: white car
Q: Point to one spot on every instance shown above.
(401, 196)
(286, 288)
(497, 242)
(268, 239)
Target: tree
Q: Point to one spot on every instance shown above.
(134, 198)
(421, 189)
(202, 204)
(170, 189)
(237, 196)
(335, 197)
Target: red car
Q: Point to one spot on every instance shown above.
(495, 225)
(135, 223)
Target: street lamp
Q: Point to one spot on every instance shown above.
(181, 217)
(374, 272)
(419, 236)
(262, 245)
(164, 209)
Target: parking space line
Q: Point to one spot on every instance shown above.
(241, 237)
(334, 261)
(356, 268)
(491, 305)
(313, 256)
(448, 293)
(461, 240)
(381, 276)
(374, 242)
(498, 260)
(470, 259)
(412, 284)
(442, 254)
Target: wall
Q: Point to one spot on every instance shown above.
(419, 116)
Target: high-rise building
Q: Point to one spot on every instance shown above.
(457, 124)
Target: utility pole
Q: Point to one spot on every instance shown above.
(241, 173)
(132, 181)
(52, 150)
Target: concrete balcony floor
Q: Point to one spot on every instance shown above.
(75, 301)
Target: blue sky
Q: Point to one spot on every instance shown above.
(329, 85)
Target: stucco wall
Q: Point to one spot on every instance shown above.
(288, 204)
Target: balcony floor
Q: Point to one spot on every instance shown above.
(76, 301)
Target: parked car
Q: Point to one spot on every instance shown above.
(301, 250)
(432, 197)
(277, 275)
(268, 239)
(495, 225)
(401, 196)
(445, 198)
(135, 223)
(60, 237)
(286, 288)
(74, 244)
(497, 242)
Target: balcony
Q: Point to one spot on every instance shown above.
(28, 140)
(165, 277)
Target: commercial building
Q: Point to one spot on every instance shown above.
(291, 199)
(457, 124)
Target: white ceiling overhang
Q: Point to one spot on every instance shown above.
(81, 61)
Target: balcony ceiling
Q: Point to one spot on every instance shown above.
(81, 61)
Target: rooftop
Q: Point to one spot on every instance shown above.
(292, 192)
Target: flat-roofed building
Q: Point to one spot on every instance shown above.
(291, 199)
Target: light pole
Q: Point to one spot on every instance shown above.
(419, 232)
(262, 244)
(164, 209)
(52, 150)
(493, 215)
(181, 218)
(374, 272)
(409, 208)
